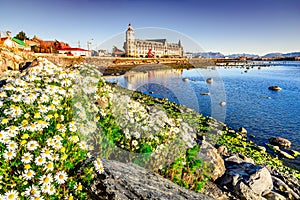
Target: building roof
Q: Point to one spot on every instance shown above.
(31, 43)
(158, 40)
(3, 39)
(20, 42)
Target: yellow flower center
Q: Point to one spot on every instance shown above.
(47, 180)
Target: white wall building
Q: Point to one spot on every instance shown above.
(159, 47)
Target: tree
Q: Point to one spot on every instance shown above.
(21, 36)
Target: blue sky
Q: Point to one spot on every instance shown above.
(226, 26)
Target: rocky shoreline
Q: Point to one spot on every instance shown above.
(233, 174)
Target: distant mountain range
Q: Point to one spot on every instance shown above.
(272, 55)
(220, 55)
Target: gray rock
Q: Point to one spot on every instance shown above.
(222, 103)
(222, 150)
(209, 154)
(246, 180)
(286, 187)
(128, 181)
(262, 148)
(281, 142)
(242, 131)
(209, 80)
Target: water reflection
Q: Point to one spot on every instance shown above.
(136, 79)
(180, 86)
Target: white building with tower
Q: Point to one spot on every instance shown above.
(158, 48)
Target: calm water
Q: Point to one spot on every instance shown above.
(249, 103)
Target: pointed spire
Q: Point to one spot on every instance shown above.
(129, 27)
(179, 43)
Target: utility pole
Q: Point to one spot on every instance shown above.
(78, 43)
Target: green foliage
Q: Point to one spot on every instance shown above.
(188, 171)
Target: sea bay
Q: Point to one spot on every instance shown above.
(249, 102)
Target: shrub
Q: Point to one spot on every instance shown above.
(41, 141)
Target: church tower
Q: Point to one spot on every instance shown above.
(129, 44)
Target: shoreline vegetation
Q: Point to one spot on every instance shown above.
(62, 127)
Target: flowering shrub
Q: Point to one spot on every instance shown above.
(133, 131)
(43, 113)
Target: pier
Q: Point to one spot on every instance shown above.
(251, 63)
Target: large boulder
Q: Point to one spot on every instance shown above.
(128, 181)
(210, 154)
(242, 131)
(286, 184)
(281, 142)
(246, 180)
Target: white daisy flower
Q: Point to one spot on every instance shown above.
(98, 166)
(32, 191)
(26, 158)
(49, 166)
(50, 142)
(44, 98)
(12, 131)
(46, 153)
(3, 135)
(28, 174)
(51, 190)
(9, 154)
(40, 160)
(37, 198)
(74, 138)
(3, 94)
(72, 127)
(12, 145)
(134, 142)
(32, 127)
(54, 157)
(32, 145)
(56, 101)
(57, 138)
(43, 109)
(15, 98)
(46, 179)
(61, 177)
(83, 145)
(30, 77)
(45, 188)
(66, 82)
(20, 82)
(57, 145)
(11, 195)
(61, 91)
(30, 98)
